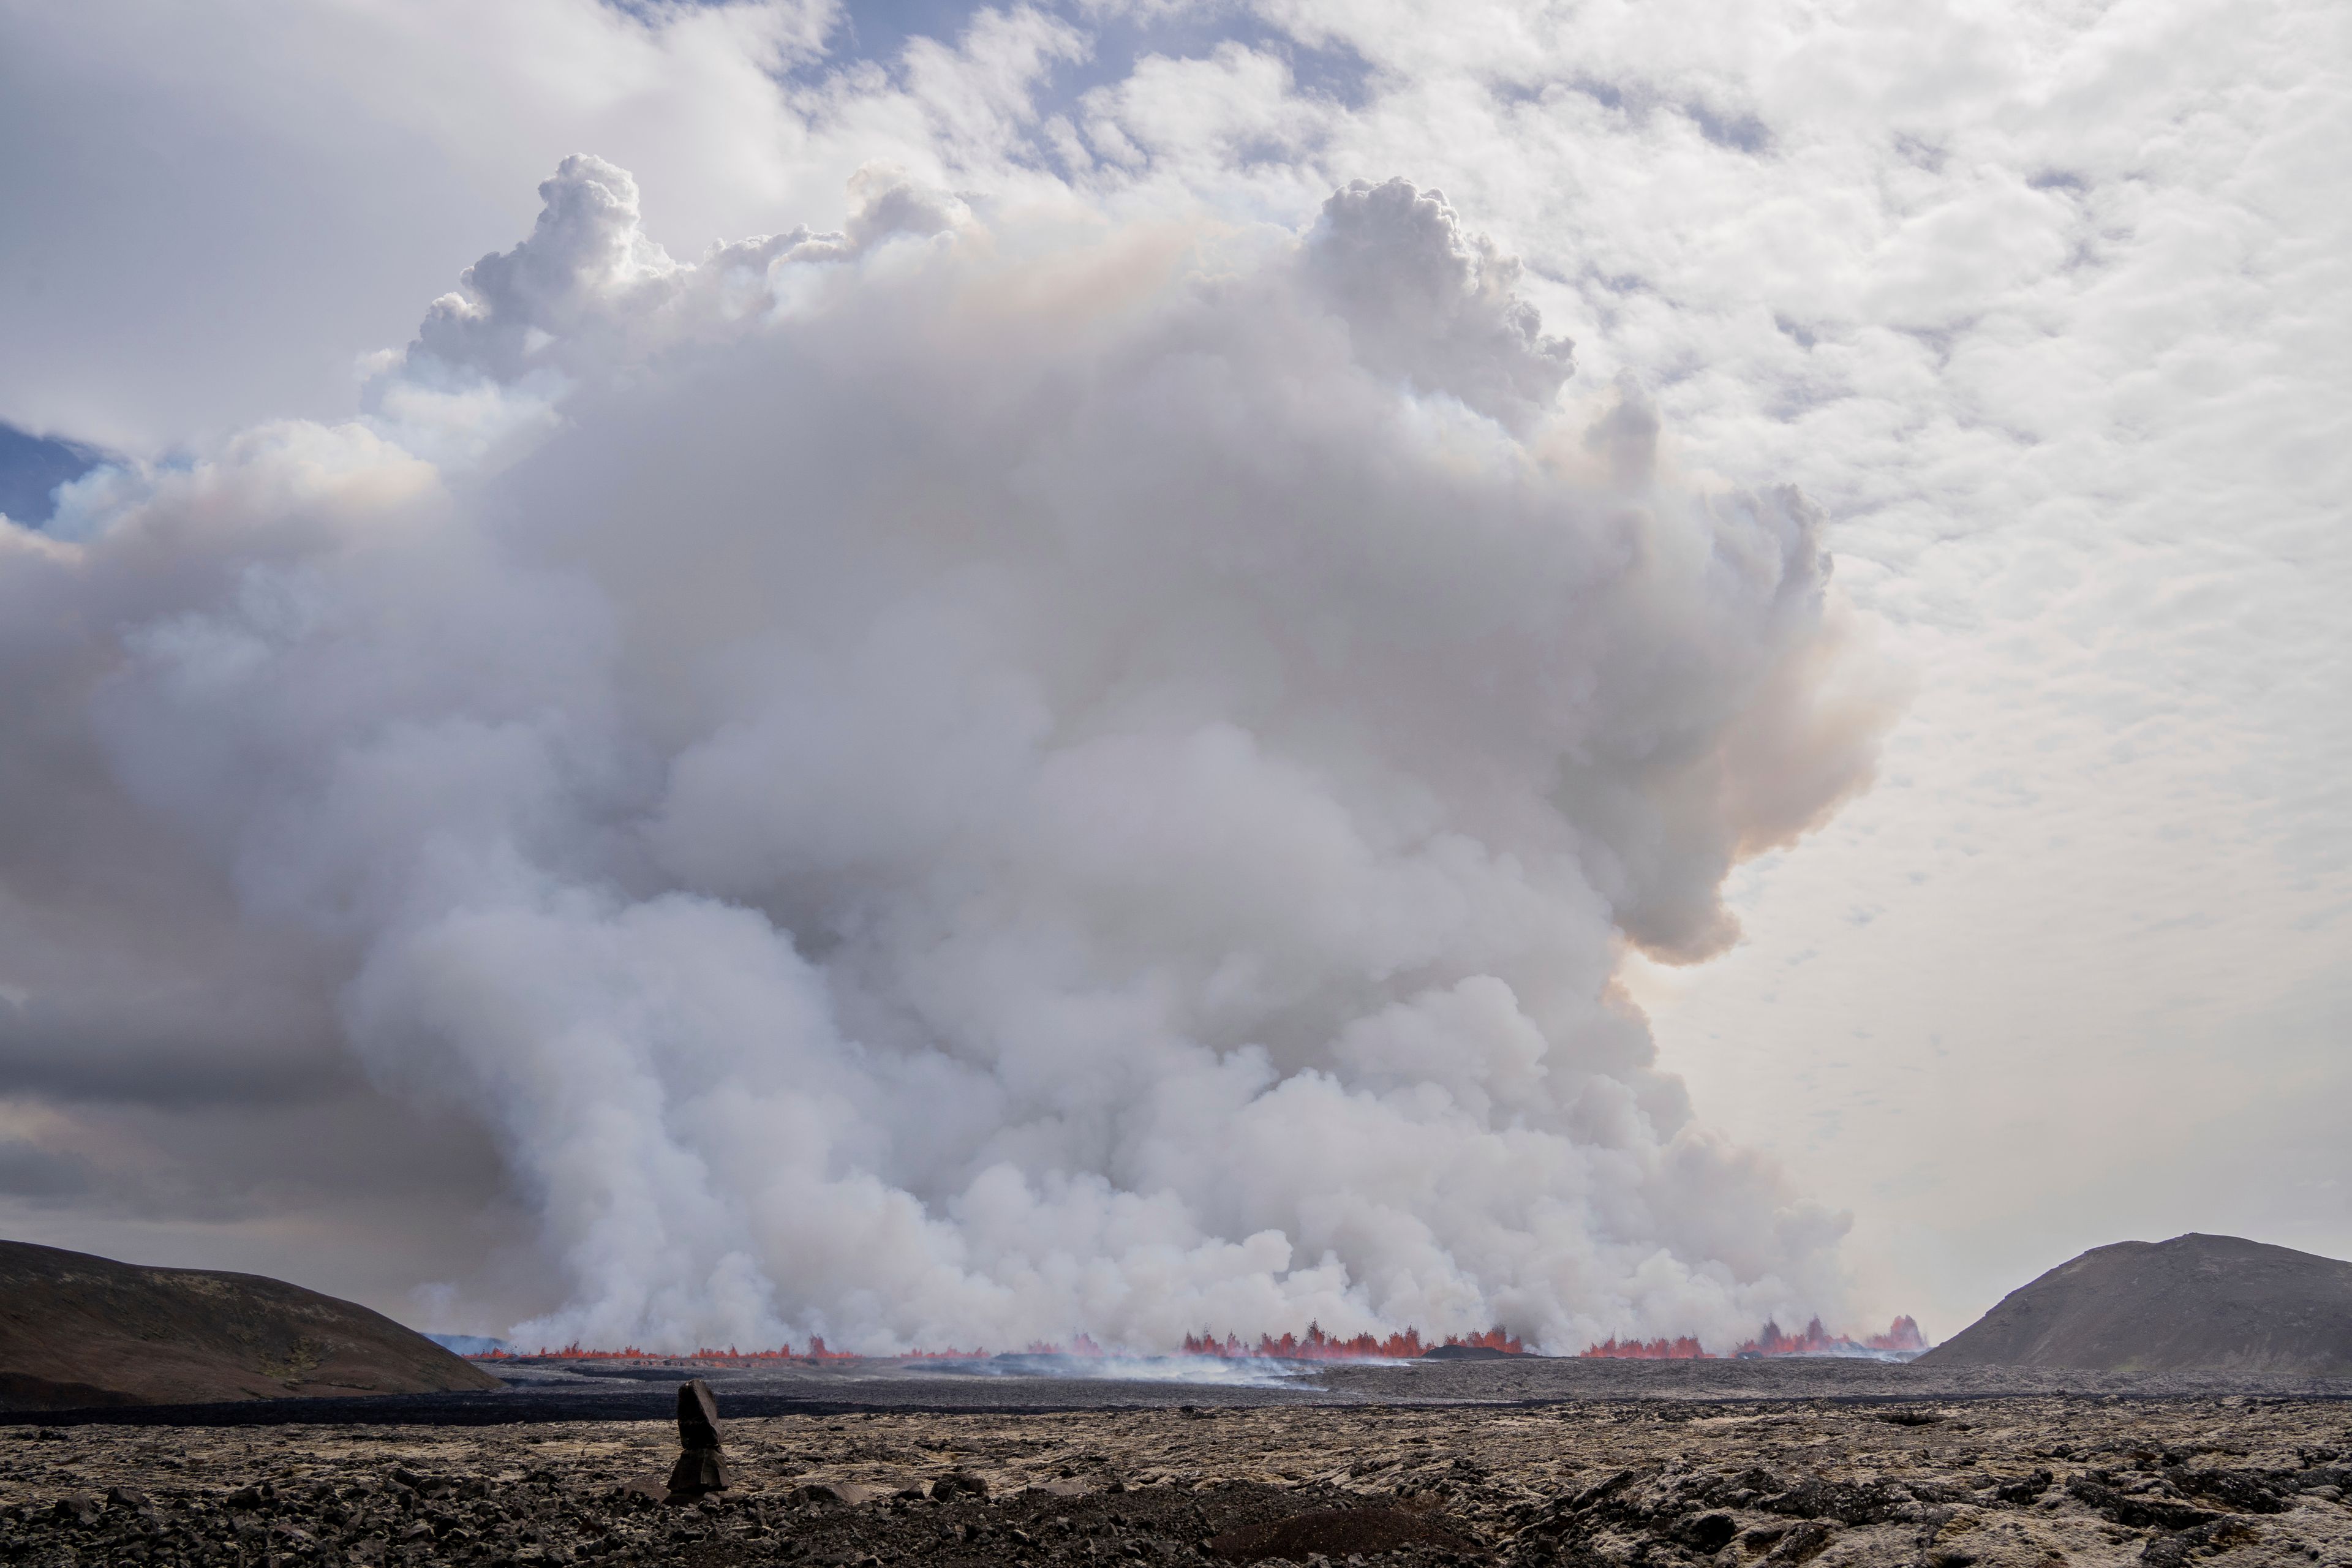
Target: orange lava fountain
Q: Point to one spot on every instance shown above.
(1902, 1335)
(1313, 1346)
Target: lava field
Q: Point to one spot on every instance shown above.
(2021, 1481)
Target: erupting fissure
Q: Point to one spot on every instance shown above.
(1902, 1335)
(1313, 1345)
(1318, 1346)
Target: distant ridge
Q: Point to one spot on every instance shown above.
(80, 1331)
(2195, 1302)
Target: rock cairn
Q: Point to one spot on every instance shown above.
(702, 1468)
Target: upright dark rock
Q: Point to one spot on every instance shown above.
(700, 1467)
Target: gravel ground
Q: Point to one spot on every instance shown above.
(1869, 1469)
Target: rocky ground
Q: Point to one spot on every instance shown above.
(2025, 1479)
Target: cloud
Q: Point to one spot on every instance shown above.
(919, 807)
(1433, 305)
(2036, 309)
(319, 170)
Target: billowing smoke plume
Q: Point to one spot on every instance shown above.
(990, 774)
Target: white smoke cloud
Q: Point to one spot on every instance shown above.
(1433, 306)
(993, 773)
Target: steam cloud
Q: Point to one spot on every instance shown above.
(987, 775)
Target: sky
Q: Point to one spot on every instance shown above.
(1976, 377)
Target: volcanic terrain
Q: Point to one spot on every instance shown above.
(1895, 1476)
(1051, 1461)
(79, 1331)
(2214, 1302)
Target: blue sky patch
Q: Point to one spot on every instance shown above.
(32, 467)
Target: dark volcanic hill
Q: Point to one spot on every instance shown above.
(82, 1331)
(2214, 1302)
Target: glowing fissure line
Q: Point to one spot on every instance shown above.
(1903, 1336)
(1313, 1346)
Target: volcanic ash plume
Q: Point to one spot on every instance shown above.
(993, 773)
